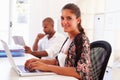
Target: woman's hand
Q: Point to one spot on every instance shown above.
(36, 64)
(27, 63)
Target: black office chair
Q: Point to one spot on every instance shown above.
(100, 54)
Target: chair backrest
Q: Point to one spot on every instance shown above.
(100, 54)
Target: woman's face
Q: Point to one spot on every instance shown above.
(69, 21)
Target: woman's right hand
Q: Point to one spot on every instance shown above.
(28, 62)
(36, 64)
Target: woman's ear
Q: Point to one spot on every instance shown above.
(79, 20)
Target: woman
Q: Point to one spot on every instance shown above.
(74, 57)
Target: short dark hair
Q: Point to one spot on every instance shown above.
(49, 19)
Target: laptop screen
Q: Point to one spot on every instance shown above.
(8, 53)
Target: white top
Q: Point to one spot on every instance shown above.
(52, 45)
(61, 59)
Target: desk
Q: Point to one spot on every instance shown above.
(116, 74)
(116, 70)
(7, 72)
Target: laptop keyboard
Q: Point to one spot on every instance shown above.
(25, 70)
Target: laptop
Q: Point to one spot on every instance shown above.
(20, 69)
(19, 40)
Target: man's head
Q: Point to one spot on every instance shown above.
(48, 25)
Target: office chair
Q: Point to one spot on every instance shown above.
(100, 54)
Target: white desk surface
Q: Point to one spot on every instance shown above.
(116, 74)
(7, 72)
(116, 70)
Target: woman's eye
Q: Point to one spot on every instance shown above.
(62, 18)
(69, 18)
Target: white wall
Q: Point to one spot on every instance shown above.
(4, 20)
(112, 25)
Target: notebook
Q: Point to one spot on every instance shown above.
(19, 40)
(20, 69)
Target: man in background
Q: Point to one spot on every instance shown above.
(47, 45)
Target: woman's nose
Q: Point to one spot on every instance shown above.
(64, 21)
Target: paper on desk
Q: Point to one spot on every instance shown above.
(19, 40)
